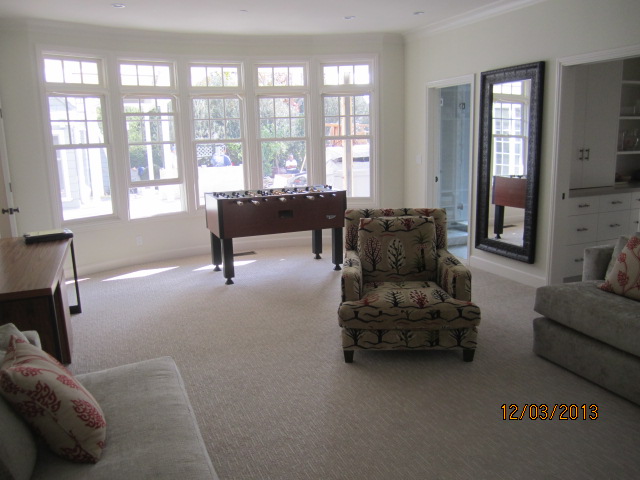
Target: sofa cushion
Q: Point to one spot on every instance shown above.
(152, 434)
(53, 402)
(409, 306)
(624, 277)
(397, 248)
(582, 306)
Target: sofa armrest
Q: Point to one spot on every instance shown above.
(453, 276)
(351, 282)
(596, 261)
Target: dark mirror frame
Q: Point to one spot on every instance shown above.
(535, 73)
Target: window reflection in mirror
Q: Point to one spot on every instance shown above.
(509, 163)
(510, 114)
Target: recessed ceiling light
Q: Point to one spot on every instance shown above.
(349, 17)
(244, 11)
(118, 5)
(418, 13)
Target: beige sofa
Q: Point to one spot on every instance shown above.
(593, 333)
(152, 432)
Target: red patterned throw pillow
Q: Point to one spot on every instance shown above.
(53, 402)
(624, 277)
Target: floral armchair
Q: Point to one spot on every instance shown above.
(401, 288)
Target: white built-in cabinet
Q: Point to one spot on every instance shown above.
(596, 220)
(600, 142)
(628, 148)
(595, 125)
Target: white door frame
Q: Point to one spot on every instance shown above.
(432, 143)
(8, 226)
(561, 174)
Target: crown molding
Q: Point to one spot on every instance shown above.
(495, 9)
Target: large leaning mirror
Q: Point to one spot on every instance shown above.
(509, 163)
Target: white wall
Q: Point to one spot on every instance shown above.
(546, 31)
(113, 244)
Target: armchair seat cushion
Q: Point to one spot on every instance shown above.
(410, 305)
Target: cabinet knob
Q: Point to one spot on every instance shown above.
(581, 154)
(588, 153)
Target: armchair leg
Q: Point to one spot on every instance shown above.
(468, 353)
(348, 356)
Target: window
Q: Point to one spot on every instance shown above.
(168, 143)
(347, 130)
(63, 70)
(215, 76)
(281, 76)
(155, 186)
(217, 128)
(509, 137)
(79, 136)
(145, 75)
(282, 126)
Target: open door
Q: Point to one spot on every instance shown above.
(449, 151)
(7, 218)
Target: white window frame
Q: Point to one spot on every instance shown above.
(353, 90)
(77, 89)
(248, 90)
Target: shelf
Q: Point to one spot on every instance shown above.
(628, 152)
(629, 117)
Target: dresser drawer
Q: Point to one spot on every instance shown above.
(634, 220)
(573, 259)
(613, 224)
(615, 202)
(583, 205)
(635, 200)
(581, 229)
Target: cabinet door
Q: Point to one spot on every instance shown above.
(597, 105)
(612, 224)
(583, 205)
(573, 260)
(634, 220)
(581, 229)
(615, 202)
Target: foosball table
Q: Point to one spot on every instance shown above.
(248, 213)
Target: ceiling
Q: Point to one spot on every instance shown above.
(262, 17)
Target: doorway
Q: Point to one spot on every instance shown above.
(450, 107)
(7, 218)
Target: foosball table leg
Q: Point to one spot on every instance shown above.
(316, 243)
(216, 252)
(228, 269)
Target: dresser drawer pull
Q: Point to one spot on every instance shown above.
(614, 225)
(616, 202)
(587, 205)
(578, 260)
(582, 229)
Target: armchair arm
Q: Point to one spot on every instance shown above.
(453, 276)
(351, 277)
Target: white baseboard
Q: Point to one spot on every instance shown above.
(507, 272)
(239, 245)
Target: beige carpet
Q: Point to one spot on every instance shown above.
(263, 366)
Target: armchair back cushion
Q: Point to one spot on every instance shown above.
(394, 249)
(353, 216)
